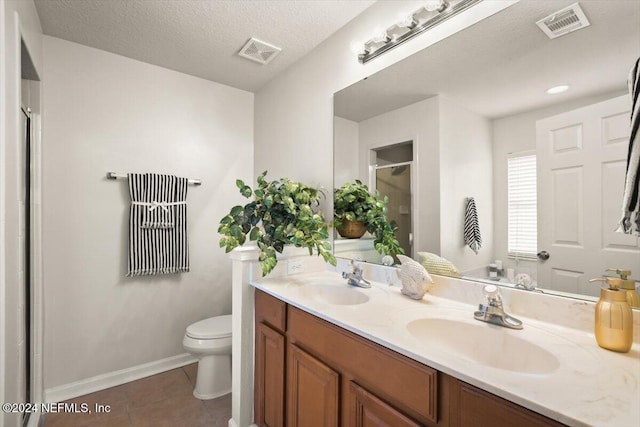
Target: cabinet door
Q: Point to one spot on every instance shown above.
(269, 371)
(312, 391)
(371, 411)
(471, 406)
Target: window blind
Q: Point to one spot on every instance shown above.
(522, 205)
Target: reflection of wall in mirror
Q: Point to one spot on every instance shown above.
(357, 249)
(452, 149)
(458, 154)
(466, 170)
(346, 160)
(417, 122)
(517, 133)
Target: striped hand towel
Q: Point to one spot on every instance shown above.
(157, 250)
(160, 192)
(472, 237)
(630, 198)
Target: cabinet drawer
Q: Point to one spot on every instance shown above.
(271, 311)
(407, 385)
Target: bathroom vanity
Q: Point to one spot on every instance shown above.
(311, 372)
(327, 354)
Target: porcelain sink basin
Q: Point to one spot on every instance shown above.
(337, 294)
(485, 344)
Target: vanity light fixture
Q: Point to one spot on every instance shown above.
(431, 14)
(557, 89)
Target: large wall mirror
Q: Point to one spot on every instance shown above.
(470, 117)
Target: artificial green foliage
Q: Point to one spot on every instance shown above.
(282, 212)
(354, 202)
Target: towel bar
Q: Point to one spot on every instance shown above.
(116, 175)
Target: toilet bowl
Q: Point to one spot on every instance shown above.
(210, 341)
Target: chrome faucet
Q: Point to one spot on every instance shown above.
(493, 311)
(354, 277)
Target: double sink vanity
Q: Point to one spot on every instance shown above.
(331, 354)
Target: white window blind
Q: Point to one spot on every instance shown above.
(522, 205)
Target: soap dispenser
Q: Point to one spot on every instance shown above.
(614, 319)
(629, 286)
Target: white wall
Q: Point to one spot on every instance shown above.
(105, 112)
(18, 19)
(346, 140)
(294, 112)
(465, 171)
(514, 134)
(419, 123)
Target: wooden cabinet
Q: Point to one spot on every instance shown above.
(312, 391)
(269, 377)
(371, 411)
(335, 377)
(475, 407)
(269, 397)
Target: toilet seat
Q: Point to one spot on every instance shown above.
(212, 328)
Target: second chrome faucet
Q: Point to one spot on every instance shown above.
(354, 277)
(492, 310)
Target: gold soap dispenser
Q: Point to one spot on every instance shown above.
(629, 286)
(614, 319)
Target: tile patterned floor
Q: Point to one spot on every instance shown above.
(163, 400)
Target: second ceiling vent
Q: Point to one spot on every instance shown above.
(564, 21)
(259, 51)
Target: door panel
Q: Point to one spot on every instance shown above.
(371, 411)
(312, 391)
(581, 163)
(269, 367)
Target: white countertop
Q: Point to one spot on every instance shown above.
(587, 385)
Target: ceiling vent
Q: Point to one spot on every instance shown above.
(564, 21)
(259, 51)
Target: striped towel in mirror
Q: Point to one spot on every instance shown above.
(472, 237)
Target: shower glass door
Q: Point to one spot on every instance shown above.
(394, 181)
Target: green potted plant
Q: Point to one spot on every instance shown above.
(282, 212)
(354, 207)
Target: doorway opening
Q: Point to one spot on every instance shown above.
(28, 177)
(393, 177)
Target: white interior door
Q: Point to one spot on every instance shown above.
(581, 165)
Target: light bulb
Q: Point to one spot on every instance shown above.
(406, 21)
(433, 5)
(557, 89)
(380, 35)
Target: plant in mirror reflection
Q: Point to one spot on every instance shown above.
(354, 202)
(282, 212)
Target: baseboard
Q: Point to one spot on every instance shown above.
(112, 379)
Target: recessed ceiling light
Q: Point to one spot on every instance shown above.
(557, 89)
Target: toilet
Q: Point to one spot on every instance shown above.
(210, 341)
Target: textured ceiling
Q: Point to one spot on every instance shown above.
(200, 37)
(503, 64)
